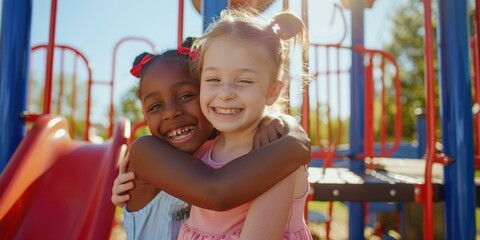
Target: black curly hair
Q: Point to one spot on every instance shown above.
(171, 55)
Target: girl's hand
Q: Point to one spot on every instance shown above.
(122, 184)
(270, 129)
(275, 126)
(293, 130)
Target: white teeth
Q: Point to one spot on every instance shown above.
(180, 132)
(227, 110)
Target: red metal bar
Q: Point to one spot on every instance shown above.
(309, 198)
(327, 147)
(287, 91)
(112, 109)
(431, 124)
(31, 117)
(180, 23)
(328, 224)
(383, 120)
(305, 120)
(89, 71)
(112, 79)
(285, 4)
(47, 98)
(330, 149)
(61, 80)
(476, 87)
(29, 91)
(74, 95)
(398, 105)
(317, 102)
(477, 25)
(397, 94)
(476, 69)
(89, 89)
(339, 120)
(329, 118)
(369, 139)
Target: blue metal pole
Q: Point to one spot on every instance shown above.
(457, 128)
(14, 61)
(211, 9)
(421, 125)
(357, 132)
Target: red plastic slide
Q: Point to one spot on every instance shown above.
(58, 188)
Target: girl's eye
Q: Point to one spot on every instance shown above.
(155, 107)
(212, 80)
(244, 82)
(187, 96)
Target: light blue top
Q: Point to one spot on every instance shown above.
(161, 219)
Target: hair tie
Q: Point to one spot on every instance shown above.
(187, 51)
(137, 69)
(275, 27)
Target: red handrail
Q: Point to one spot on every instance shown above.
(383, 120)
(431, 123)
(285, 4)
(74, 95)
(61, 81)
(112, 79)
(369, 139)
(47, 98)
(305, 122)
(397, 87)
(476, 97)
(326, 150)
(89, 90)
(180, 23)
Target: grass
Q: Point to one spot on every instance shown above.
(118, 232)
(339, 225)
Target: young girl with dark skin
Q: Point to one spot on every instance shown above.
(164, 162)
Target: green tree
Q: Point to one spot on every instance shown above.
(408, 48)
(131, 108)
(407, 45)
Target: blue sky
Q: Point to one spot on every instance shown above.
(95, 26)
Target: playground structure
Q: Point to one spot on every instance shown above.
(443, 177)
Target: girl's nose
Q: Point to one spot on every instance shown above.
(227, 91)
(171, 111)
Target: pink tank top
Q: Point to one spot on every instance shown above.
(212, 225)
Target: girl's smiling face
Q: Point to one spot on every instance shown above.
(170, 103)
(236, 84)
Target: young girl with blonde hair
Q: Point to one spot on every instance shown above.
(243, 66)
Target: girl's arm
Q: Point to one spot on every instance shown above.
(268, 214)
(270, 129)
(185, 177)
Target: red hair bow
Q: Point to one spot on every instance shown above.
(187, 51)
(137, 69)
